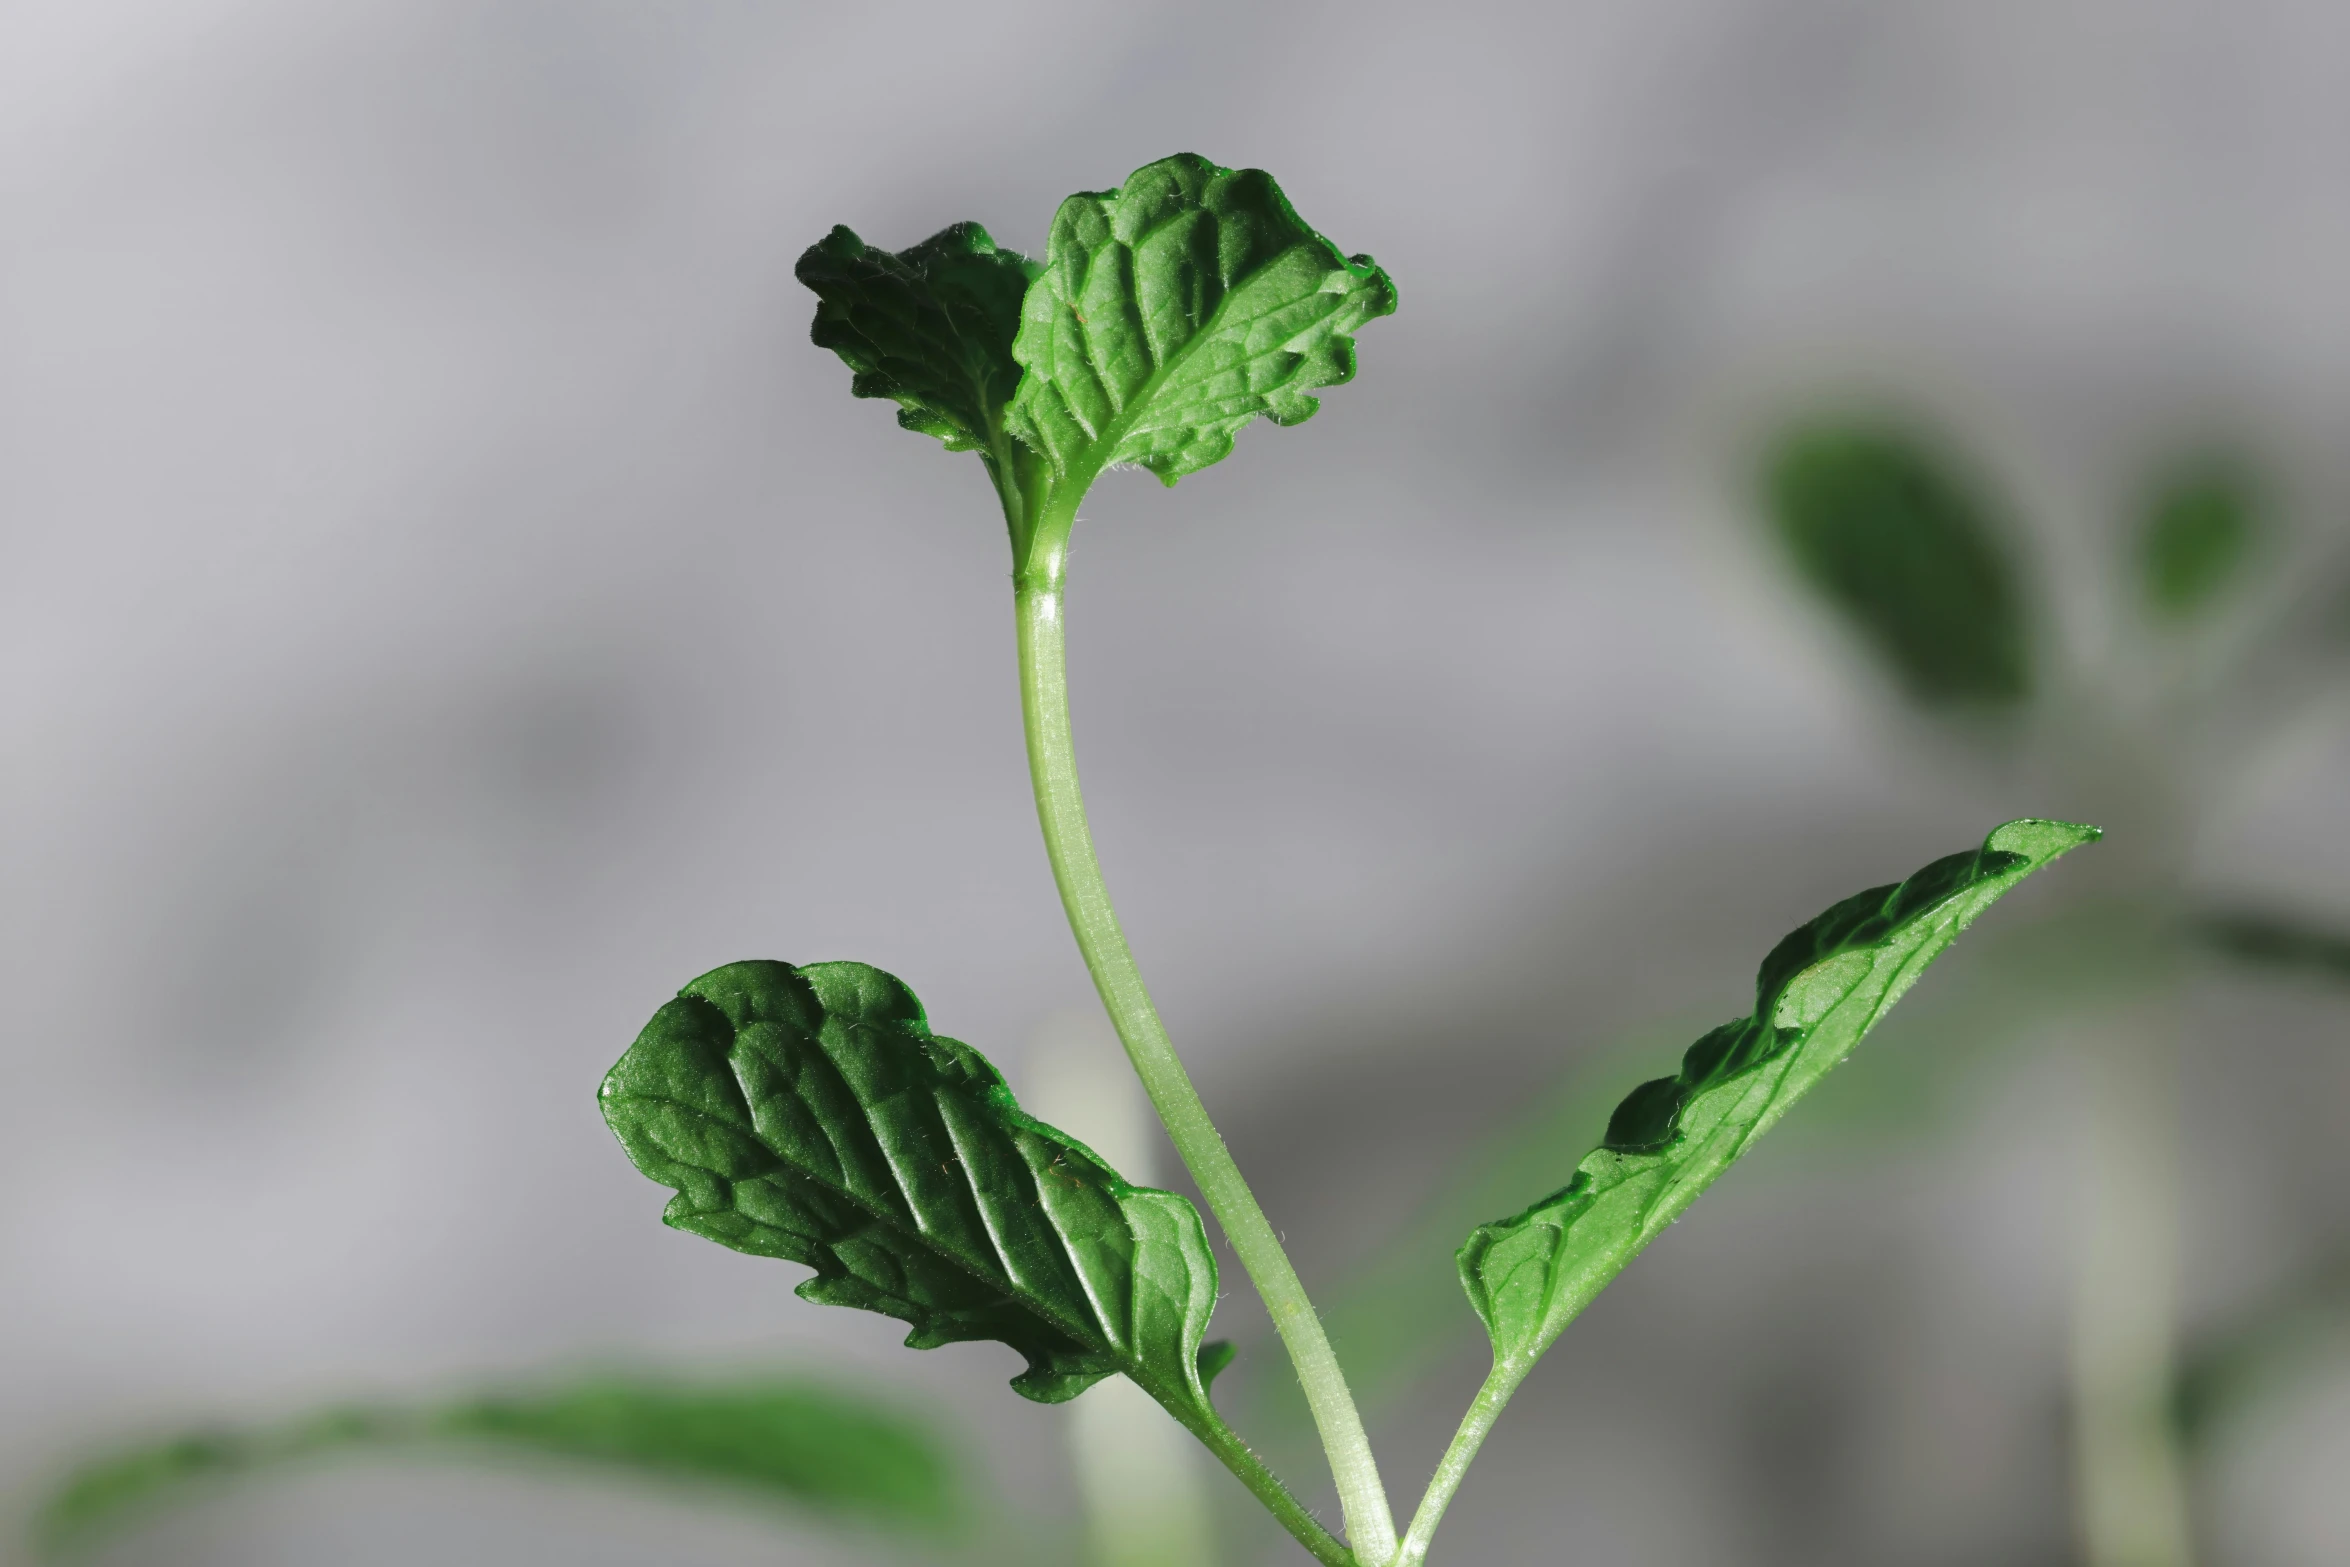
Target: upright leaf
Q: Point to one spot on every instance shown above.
(930, 328)
(1890, 534)
(1172, 311)
(810, 1114)
(812, 1446)
(2199, 532)
(1818, 992)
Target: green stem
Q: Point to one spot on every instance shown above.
(1068, 841)
(1475, 1425)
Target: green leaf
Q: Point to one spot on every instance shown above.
(812, 1444)
(1172, 311)
(817, 1448)
(930, 328)
(2263, 1348)
(811, 1114)
(1819, 991)
(1890, 534)
(2200, 530)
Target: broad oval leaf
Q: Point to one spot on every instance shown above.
(811, 1114)
(1172, 311)
(1818, 992)
(930, 328)
(811, 1445)
(1889, 532)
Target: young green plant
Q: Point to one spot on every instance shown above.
(810, 1113)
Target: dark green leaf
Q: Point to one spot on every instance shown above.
(814, 1447)
(1890, 534)
(810, 1114)
(1172, 311)
(2199, 531)
(2276, 942)
(930, 328)
(1819, 991)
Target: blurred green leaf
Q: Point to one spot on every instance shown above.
(1889, 532)
(2274, 941)
(814, 1445)
(810, 1114)
(1818, 993)
(821, 1449)
(2256, 1352)
(2200, 529)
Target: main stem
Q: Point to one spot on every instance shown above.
(1068, 842)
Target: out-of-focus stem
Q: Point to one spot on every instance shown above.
(2131, 1492)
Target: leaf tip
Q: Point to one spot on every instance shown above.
(2040, 839)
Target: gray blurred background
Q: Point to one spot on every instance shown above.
(449, 604)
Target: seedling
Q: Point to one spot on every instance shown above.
(810, 1113)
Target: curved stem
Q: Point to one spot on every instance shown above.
(1475, 1425)
(1068, 841)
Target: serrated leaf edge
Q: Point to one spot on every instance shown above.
(1958, 906)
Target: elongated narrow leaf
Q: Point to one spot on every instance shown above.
(1892, 535)
(1172, 311)
(930, 328)
(810, 1114)
(1819, 991)
(2200, 531)
(810, 1445)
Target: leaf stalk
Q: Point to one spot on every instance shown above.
(1475, 1426)
(1039, 584)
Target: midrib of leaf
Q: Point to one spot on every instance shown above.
(1128, 418)
(910, 1223)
